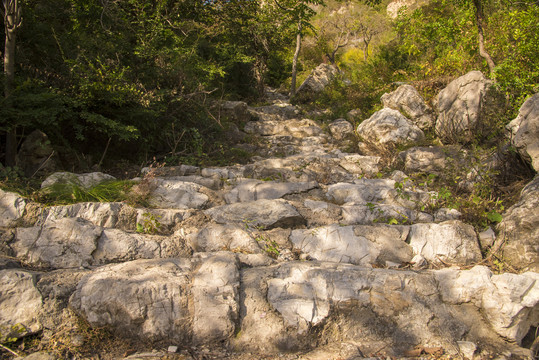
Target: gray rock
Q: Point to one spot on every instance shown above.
(341, 129)
(450, 242)
(359, 164)
(360, 245)
(237, 111)
(100, 214)
(445, 214)
(317, 81)
(294, 128)
(263, 213)
(20, 304)
(172, 194)
(41, 355)
(460, 106)
(165, 220)
(467, 348)
(251, 190)
(518, 238)
(215, 288)
(382, 213)
(508, 301)
(389, 127)
(144, 299)
(424, 159)
(215, 237)
(12, 208)
(62, 243)
(118, 246)
(487, 238)
(211, 182)
(86, 180)
(407, 100)
(524, 131)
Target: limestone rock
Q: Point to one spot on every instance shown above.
(251, 190)
(62, 243)
(450, 241)
(407, 100)
(317, 81)
(20, 304)
(86, 180)
(215, 237)
(145, 299)
(518, 236)
(341, 129)
(37, 155)
(215, 298)
(173, 194)
(161, 221)
(100, 214)
(12, 208)
(524, 131)
(118, 246)
(264, 213)
(360, 245)
(382, 213)
(430, 159)
(294, 128)
(460, 106)
(360, 164)
(236, 111)
(389, 127)
(509, 301)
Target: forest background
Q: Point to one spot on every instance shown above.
(117, 82)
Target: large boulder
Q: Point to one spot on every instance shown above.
(389, 127)
(407, 100)
(317, 81)
(251, 190)
(524, 131)
(518, 238)
(460, 107)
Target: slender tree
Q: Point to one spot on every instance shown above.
(479, 19)
(12, 20)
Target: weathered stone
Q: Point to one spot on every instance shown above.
(518, 237)
(509, 301)
(215, 298)
(396, 6)
(460, 106)
(450, 241)
(118, 246)
(341, 129)
(360, 245)
(100, 214)
(524, 131)
(407, 100)
(317, 81)
(62, 243)
(37, 155)
(251, 190)
(215, 237)
(359, 164)
(172, 194)
(389, 127)
(86, 180)
(213, 182)
(236, 111)
(430, 160)
(373, 191)
(445, 214)
(277, 111)
(12, 208)
(161, 220)
(382, 213)
(41, 355)
(20, 304)
(487, 238)
(294, 128)
(264, 213)
(145, 299)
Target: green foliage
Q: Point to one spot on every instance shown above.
(71, 192)
(150, 224)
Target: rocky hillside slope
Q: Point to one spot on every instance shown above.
(305, 253)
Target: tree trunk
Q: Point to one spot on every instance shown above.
(12, 19)
(295, 61)
(479, 20)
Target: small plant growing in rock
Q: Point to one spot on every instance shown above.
(149, 224)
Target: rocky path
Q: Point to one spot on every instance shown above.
(302, 254)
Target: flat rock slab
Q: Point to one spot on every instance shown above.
(382, 213)
(251, 190)
(295, 128)
(261, 213)
(100, 214)
(175, 194)
(217, 237)
(450, 241)
(12, 208)
(20, 304)
(359, 245)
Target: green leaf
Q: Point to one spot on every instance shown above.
(493, 216)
